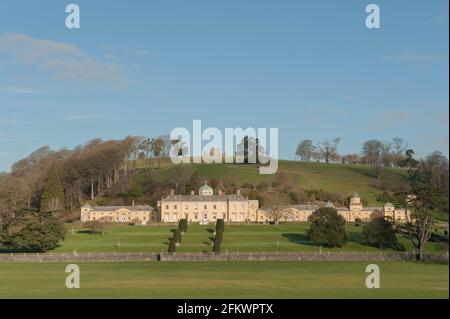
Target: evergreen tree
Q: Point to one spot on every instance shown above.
(327, 227)
(220, 225)
(52, 197)
(30, 231)
(172, 246)
(380, 232)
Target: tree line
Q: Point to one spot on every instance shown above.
(394, 153)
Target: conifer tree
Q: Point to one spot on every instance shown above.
(52, 197)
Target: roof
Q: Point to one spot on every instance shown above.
(389, 204)
(200, 198)
(206, 187)
(304, 207)
(372, 208)
(355, 195)
(114, 208)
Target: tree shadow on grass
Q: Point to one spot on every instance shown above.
(300, 239)
(361, 239)
(210, 230)
(90, 232)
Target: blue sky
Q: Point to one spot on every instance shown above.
(310, 68)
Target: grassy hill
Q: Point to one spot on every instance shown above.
(336, 178)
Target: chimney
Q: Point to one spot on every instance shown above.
(132, 203)
(192, 192)
(220, 192)
(238, 192)
(172, 192)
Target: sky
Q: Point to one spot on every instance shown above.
(309, 68)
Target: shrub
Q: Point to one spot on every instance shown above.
(219, 237)
(220, 225)
(358, 222)
(177, 236)
(327, 227)
(183, 225)
(216, 246)
(172, 246)
(95, 227)
(380, 232)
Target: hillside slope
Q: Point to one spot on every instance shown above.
(336, 178)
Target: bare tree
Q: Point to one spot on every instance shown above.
(398, 150)
(275, 206)
(305, 149)
(328, 149)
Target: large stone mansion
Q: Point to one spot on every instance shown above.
(206, 207)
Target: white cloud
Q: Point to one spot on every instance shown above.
(61, 61)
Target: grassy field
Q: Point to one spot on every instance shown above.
(251, 237)
(342, 178)
(224, 280)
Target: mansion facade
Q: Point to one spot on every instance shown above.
(141, 214)
(206, 207)
(355, 211)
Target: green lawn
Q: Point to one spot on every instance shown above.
(224, 280)
(251, 237)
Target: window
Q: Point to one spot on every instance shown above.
(174, 217)
(205, 206)
(167, 206)
(195, 216)
(166, 218)
(233, 218)
(214, 216)
(242, 216)
(215, 206)
(175, 206)
(185, 216)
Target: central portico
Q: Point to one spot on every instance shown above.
(207, 207)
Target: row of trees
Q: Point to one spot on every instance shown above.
(50, 180)
(374, 152)
(328, 228)
(326, 150)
